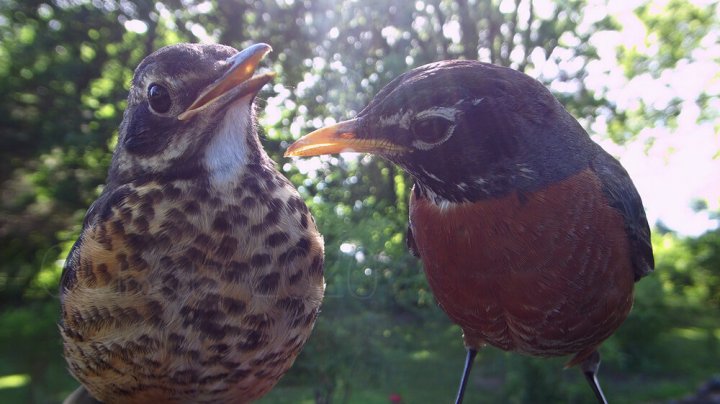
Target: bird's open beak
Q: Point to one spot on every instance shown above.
(237, 82)
(339, 138)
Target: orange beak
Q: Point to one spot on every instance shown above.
(238, 80)
(339, 138)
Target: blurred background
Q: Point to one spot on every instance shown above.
(643, 77)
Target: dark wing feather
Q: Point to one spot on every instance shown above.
(622, 195)
(410, 242)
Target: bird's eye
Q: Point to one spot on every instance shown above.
(159, 98)
(431, 130)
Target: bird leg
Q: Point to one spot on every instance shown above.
(466, 374)
(590, 368)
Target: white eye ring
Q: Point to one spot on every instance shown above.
(445, 113)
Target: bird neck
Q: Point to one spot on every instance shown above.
(496, 166)
(218, 156)
(461, 187)
(234, 146)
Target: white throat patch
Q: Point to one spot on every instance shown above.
(227, 153)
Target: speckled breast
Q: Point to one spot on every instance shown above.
(182, 293)
(544, 273)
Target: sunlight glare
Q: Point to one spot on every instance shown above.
(348, 248)
(391, 34)
(671, 165)
(542, 9)
(14, 381)
(451, 30)
(677, 170)
(201, 34)
(136, 26)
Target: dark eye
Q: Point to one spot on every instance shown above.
(159, 98)
(432, 129)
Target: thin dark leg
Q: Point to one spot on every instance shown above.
(466, 374)
(590, 368)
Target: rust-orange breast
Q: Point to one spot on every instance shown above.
(544, 273)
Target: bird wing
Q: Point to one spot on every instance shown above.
(97, 209)
(623, 196)
(410, 242)
(67, 278)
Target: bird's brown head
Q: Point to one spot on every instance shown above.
(464, 130)
(190, 112)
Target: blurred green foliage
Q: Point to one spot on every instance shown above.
(65, 67)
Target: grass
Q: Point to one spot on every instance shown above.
(421, 363)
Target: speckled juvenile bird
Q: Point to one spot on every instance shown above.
(198, 273)
(530, 234)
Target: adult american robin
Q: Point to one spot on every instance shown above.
(198, 273)
(530, 234)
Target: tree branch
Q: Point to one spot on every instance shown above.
(469, 31)
(527, 43)
(442, 20)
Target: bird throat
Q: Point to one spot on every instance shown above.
(230, 149)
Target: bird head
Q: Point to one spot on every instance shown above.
(190, 111)
(463, 129)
